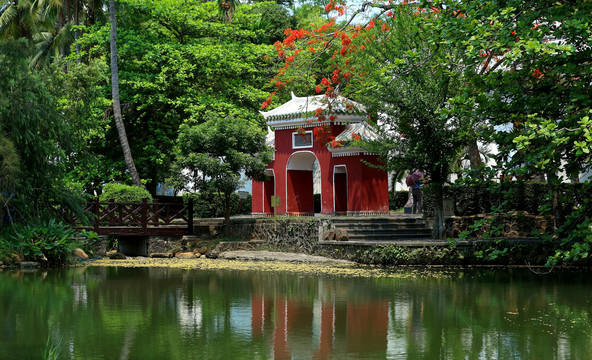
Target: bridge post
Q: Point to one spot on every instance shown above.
(96, 207)
(144, 213)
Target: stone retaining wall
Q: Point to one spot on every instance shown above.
(300, 234)
(517, 225)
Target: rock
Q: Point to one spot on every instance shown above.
(17, 258)
(29, 264)
(330, 235)
(186, 255)
(341, 235)
(117, 256)
(212, 254)
(161, 255)
(202, 249)
(80, 254)
(111, 252)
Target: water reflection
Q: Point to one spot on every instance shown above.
(116, 313)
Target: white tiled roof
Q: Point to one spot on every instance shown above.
(300, 110)
(363, 129)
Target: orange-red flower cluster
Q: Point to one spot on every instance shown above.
(336, 143)
(293, 35)
(335, 77)
(266, 103)
(323, 134)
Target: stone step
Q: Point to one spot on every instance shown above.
(394, 232)
(383, 229)
(379, 220)
(372, 226)
(397, 242)
(387, 237)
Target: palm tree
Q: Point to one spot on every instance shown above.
(48, 24)
(127, 154)
(22, 19)
(226, 8)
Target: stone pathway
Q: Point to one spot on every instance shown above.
(280, 256)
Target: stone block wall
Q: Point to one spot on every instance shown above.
(296, 234)
(164, 244)
(516, 225)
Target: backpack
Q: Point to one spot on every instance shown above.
(409, 181)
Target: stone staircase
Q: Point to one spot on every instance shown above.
(383, 229)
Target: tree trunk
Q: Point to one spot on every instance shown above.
(127, 154)
(438, 229)
(474, 156)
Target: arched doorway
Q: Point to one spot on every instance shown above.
(299, 183)
(340, 189)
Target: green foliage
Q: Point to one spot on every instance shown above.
(41, 136)
(9, 176)
(398, 199)
(273, 20)
(86, 241)
(399, 255)
(533, 198)
(213, 155)
(181, 64)
(495, 252)
(78, 89)
(52, 349)
(124, 193)
(208, 204)
(49, 242)
(529, 84)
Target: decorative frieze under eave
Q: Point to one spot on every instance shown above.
(348, 151)
(308, 121)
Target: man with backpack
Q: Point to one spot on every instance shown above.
(415, 182)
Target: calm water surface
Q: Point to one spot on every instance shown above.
(119, 313)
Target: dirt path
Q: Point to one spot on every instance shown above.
(281, 256)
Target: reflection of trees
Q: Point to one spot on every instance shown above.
(188, 314)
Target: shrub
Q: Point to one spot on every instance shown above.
(514, 196)
(398, 199)
(207, 204)
(124, 193)
(50, 243)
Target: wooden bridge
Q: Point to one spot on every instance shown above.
(140, 219)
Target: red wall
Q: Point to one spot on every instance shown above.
(367, 186)
(257, 199)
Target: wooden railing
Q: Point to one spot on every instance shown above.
(141, 219)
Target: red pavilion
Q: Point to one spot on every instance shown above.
(347, 184)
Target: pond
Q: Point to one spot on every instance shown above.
(159, 313)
